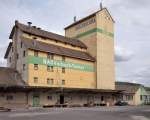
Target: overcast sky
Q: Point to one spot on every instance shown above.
(132, 28)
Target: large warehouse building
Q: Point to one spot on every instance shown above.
(44, 68)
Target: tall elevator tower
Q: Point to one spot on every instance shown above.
(96, 31)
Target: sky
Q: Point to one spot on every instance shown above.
(132, 28)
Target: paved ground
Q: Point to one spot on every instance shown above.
(99, 113)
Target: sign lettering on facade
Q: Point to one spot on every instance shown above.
(58, 63)
(91, 21)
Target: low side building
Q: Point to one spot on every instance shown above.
(134, 94)
(148, 92)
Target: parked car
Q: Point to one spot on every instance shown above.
(121, 103)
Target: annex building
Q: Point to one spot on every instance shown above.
(45, 68)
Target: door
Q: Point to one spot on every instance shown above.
(36, 101)
(61, 99)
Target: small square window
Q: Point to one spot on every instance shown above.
(10, 59)
(35, 66)
(21, 44)
(50, 68)
(24, 66)
(17, 56)
(63, 70)
(12, 49)
(35, 79)
(34, 38)
(63, 82)
(63, 58)
(50, 56)
(36, 53)
(49, 97)
(9, 97)
(24, 53)
(50, 81)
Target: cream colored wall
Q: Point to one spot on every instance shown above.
(105, 53)
(137, 100)
(53, 42)
(89, 40)
(73, 78)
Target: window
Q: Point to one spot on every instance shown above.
(35, 79)
(34, 38)
(36, 53)
(50, 56)
(129, 97)
(10, 59)
(50, 81)
(63, 82)
(21, 44)
(24, 66)
(24, 53)
(17, 56)
(12, 49)
(50, 68)
(49, 97)
(102, 98)
(9, 97)
(35, 66)
(63, 58)
(63, 70)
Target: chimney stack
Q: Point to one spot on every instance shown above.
(75, 18)
(101, 6)
(29, 24)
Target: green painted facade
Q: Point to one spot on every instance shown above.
(58, 63)
(98, 30)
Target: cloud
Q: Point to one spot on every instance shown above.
(141, 75)
(122, 55)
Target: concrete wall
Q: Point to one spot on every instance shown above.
(105, 52)
(99, 37)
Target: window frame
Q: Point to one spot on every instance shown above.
(36, 53)
(63, 70)
(35, 80)
(36, 66)
(63, 82)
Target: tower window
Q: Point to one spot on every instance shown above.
(35, 66)
(35, 79)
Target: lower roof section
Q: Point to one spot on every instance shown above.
(56, 89)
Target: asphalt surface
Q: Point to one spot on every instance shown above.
(98, 113)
